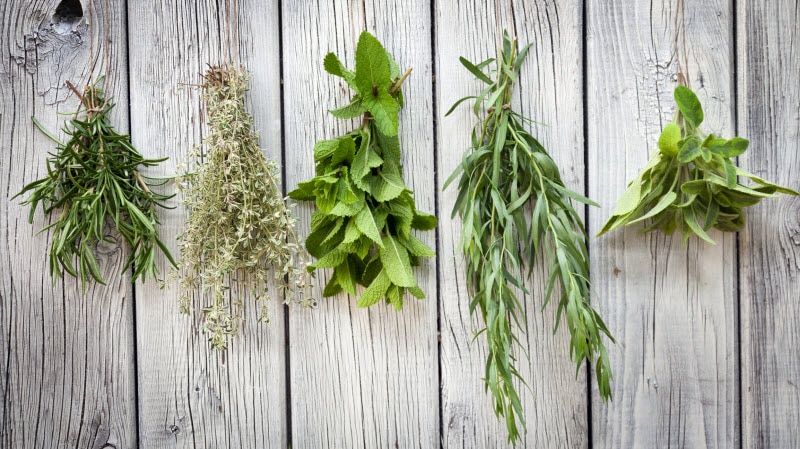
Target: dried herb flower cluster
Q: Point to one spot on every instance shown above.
(691, 183)
(514, 206)
(239, 223)
(94, 178)
(362, 228)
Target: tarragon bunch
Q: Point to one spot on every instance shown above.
(514, 206)
(94, 178)
(365, 212)
(239, 223)
(691, 183)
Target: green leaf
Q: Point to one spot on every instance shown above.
(375, 291)
(352, 110)
(365, 222)
(384, 109)
(689, 105)
(423, 221)
(372, 66)
(387, 186)
(396, 264)
(668, 141)
(690, 150)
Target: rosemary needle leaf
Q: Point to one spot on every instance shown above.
(505, 169)
(93, 179)
(239, 224)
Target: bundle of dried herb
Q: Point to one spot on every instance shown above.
(691, 183)
(505, 170)
(362, 228)
(94, 178)
(239, 223)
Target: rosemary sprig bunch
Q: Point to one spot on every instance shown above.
(505, 170)
(239, 223)
(691, 183)
(365, 212)
(94, 178)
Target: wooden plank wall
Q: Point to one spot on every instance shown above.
(707, 353)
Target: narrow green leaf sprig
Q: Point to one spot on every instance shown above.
(514, 205)
(93, 179)
(365, 213)
(691, 183)
(239, 224)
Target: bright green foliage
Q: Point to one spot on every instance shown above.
(240, 228)
(362, 228)
(514, 206)
(93, 178)
(691, 184)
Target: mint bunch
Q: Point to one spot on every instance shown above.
(691, 183)
(365, 212)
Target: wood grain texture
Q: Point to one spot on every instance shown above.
(550, 91)
(672, 308)
(361, 378)
(768, 39)
(67, 358)
(190, 396)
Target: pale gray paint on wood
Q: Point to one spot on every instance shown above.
(67, 358)
(550, 91)
(361, 378)
(189, 395)
(768, 39)
(672, 308)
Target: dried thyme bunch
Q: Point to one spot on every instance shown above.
(239, 222)
(691, 184)
(513, 205)
(94, 178)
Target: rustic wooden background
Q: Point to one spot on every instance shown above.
(708, 352)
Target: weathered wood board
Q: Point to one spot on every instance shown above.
(189, 395)
(672, 307)
(549, 91)
(361, 378)
(768, 49)
(119, 367)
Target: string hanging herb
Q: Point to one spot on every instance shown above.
(239, 223)
(514, 205)
(690, 183)
(94, 178)
(365, 212)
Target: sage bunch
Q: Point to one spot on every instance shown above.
(365, 213)
(94, 179)
(690, 183)
(514, 206)
(239, 226)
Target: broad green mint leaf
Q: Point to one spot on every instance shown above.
(423, 221)
(396, 263)
(366, 224)
(372, 66)
(352, 110)
(335, 67)
(387, 186)
(690, 150)
(384, 110)
(689, 105)
(375, 291)
(668, 141)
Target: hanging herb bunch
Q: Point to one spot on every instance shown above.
(239, 223)
(365, 212)
(504, 176)
(691, 184)
(93, 179)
